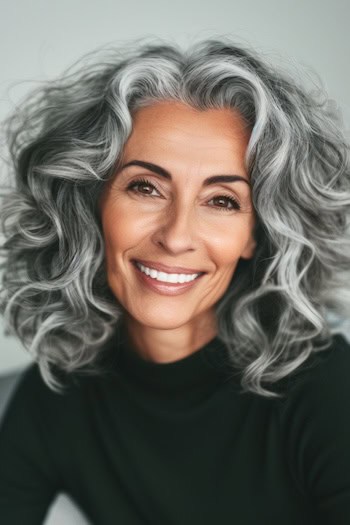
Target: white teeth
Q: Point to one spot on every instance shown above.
(167, 277)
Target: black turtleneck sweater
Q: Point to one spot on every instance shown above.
(179, 443)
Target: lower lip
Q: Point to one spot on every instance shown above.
(165, 288)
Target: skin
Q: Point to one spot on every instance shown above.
(183, 225)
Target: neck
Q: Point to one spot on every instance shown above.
(168, 345)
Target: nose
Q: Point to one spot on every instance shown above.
(175, 230)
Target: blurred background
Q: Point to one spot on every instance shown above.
(39, 39)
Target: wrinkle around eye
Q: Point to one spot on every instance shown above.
(244, 199)
(238, 206)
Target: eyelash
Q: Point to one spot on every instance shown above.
(137, 182)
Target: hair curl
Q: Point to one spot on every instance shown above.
(65, 142)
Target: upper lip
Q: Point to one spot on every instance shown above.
(168, 269)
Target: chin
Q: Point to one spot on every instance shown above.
(161, 320)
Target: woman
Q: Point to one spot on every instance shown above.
(176, 246)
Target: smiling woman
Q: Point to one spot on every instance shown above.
(179, 222)
(177, 243)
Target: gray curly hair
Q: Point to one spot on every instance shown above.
(65, 141)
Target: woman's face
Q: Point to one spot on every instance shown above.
(170, 213)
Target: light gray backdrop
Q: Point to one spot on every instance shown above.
(39, 38)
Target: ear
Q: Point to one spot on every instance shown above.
(249, 249)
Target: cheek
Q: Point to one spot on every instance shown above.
(227, 256)
(121, 227)
(226, 246)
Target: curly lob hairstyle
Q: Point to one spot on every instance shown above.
(65, 141)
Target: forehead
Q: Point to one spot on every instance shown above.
(174, 122)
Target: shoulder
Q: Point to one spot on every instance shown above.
(315, 428)
(317, 397)
(32, 390)
(315, 418)
(32, 384)
(37, 417)
(27, 385)
(31, 397)
(324, 375)
(321, 383)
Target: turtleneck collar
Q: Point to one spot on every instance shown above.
(201, 370)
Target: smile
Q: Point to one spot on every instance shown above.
(167, 277)
(163, 283)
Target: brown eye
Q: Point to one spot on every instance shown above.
(233, 204)
(139, 183)
(135, 186)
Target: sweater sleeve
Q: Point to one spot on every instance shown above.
(315, 419)
(28, 477)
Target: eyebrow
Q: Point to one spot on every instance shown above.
(214, 179)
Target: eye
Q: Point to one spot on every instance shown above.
(139, 183)
(234, 205)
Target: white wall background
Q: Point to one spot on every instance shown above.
(39, 38)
